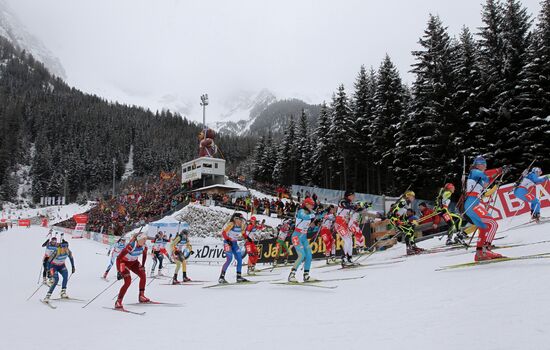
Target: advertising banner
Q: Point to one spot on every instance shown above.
(81, 218)
(507, 205)
(24, 222)
(268, 249)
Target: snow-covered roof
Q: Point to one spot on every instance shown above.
(216, 186)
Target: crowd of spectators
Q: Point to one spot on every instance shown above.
(248, 203)
(140, 203)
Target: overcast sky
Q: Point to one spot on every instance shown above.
(143, 50)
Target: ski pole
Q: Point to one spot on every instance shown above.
(471, 238)
(116, 295)
(37, 289)
(103, 291)
(39, 274)
(374, 244)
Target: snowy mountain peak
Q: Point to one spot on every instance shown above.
(241, 109)
(12, 29)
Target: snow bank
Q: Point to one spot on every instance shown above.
(208, 221)
(55, 213)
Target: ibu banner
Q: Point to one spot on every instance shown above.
(507, 205)
(24, 223)
(81, 218)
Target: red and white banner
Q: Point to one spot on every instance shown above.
(81, 218)
(24, 222)
(507, 205)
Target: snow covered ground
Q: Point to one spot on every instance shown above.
(56, 213)
(402, 305)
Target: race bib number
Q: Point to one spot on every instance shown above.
(480, 210)
(341, 226)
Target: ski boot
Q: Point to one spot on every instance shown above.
(344, 261)
(308, 278)
(47, 298)
(222, 280)
(492, 254)
(328, 260)
(63, 294)
(418, 250)
(241, 279)
(142, 297)
(251, 271)
(536, 217)
(459, 239)
(333, 258)
(175, 279)
(484, 253)
(449, 241)
(360, 250)
(292, 276)
(185, 278)
(118, 304)
(160, 273)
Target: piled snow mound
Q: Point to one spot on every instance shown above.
(204, 221)
(208, 222)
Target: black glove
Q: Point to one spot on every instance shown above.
(73, 270)
(191, 252)
(118, 276)
(249, 239)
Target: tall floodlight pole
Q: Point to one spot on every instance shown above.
(114, 169)
(65, 189)
(204, 103)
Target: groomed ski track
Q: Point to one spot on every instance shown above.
(407, 305)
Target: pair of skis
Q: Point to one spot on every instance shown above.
(149, 303)
(531, 222)
(315, 282)
(495, 261)
(52, 306)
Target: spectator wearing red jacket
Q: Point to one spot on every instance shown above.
(428, 216)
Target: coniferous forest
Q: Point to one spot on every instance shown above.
(484, 92)
(65, 134)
